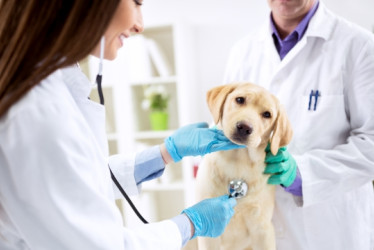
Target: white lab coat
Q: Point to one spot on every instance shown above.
(55, 187)
(334, 145)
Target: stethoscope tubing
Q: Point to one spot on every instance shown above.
(99, 78)
(127, 197)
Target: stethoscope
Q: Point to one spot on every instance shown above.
(236, 188)
(99, 78)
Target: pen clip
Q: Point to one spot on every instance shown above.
(310, 99)
(315, 95)
(316, 99)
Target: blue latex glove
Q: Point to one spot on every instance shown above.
(211, 216)
(281, 166)
(197, 139)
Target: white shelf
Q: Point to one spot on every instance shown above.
(112, 136)
(155, 80)
(148, 135)
(156, 187)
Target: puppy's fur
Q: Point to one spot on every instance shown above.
(251, 116)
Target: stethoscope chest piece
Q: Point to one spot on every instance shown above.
(237, 189)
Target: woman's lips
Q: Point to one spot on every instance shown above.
(122, 38)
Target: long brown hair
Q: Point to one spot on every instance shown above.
(39, 36)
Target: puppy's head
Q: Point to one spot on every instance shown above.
(249, 115)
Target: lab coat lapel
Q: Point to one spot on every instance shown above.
(289, 57)
(95, 117)
(276, 65)
(317, 28)
(94, 113)
(293, 53)
(268, 58)
(283, 67)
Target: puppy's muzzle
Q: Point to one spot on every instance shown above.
(242, 132)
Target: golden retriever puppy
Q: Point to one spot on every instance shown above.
(248, 115)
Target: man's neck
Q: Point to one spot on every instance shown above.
(285, 26)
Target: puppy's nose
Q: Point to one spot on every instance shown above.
(244, 129)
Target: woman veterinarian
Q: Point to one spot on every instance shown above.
(321, 67)
(55, 186)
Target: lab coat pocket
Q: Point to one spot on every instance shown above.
(321, 123)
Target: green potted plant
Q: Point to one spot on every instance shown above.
(156, 100)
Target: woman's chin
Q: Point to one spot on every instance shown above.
(110, 56)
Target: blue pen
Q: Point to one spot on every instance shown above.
(315, 102)
(310, 99)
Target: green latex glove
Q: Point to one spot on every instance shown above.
(281, 166)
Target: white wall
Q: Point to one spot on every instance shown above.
(219, 23)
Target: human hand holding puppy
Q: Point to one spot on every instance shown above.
(196, 139)
(282, 167)
(209, 217)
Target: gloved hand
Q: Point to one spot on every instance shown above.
(211, 216)
(281, 166)
(197, 139)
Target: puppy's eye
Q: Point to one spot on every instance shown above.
(240, 100)
(266, 114)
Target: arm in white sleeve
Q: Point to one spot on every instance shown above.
(162, 235)
(326, 173)
(184, 225)
(132, 170)
(149, 165)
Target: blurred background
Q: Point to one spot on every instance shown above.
(218, 24)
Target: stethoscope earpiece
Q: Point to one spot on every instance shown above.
(99, 75)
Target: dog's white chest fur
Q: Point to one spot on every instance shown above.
(252, 218)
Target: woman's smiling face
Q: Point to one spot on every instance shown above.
(126, 20)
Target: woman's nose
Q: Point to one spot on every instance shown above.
(138, 28)
(139, 25)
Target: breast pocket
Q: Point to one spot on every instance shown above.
(320, 123)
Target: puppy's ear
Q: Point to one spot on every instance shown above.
(282, 132)
(216, 99)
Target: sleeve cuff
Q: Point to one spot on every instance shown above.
(123, 169)
(296, 187)
(148, 165)
(184, 226)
